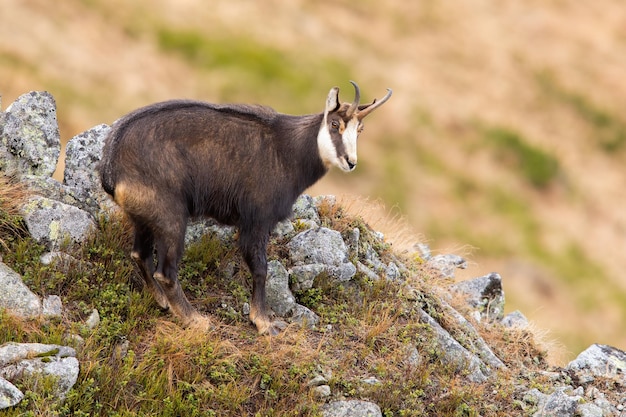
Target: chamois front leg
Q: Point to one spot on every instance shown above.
(254, 249)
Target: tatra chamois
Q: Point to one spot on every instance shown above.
(239, 164)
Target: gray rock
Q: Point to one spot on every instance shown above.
(317, 381)
(392, 272)
(303, 276)
(82, 155)
(362, 268)
(453, 353)
(15, 296)
(93, 320)
(279, 296)
(423, 250)
(322, 246)
(9, 394)
(342, 273)
(282, 229)
(14, 352)
(52, 306)
(589, 410)
(63, 369)
(318, 246)
(321, 391)
(558, 404)
(26, 362)
(601, 360)
(351, 408)
(198, 228)
(30, 141)
(329, 200)
(484, 294)
(471, 339)
(352, 240)
(304, 316)
(447, 264)
(515, 319)
(304, 208)
(51, 222)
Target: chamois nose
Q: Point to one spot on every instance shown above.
(351, 164)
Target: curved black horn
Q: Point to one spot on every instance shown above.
(374, 105)
(357, 97)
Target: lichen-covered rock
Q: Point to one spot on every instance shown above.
(9, 394)
(303, 276)
(515, 319)
(51, 222)
(25, 362)
(15, 296)
(279, 296)
(453, 353)
(52, 306)
(29, 139)
(322, 246)
(318, 246)
(304, 208)
(485, 295)
(82, 155)
(304, 316)
(557, 404)
(351, 408)
(600, 361)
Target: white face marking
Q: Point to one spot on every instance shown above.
(327, 149)
(350, 135)
(325, 146)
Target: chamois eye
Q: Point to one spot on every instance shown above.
(334, 124)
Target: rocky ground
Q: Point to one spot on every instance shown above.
(58, 214)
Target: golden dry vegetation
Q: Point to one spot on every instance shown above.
(505, 139)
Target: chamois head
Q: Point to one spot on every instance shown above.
(341, 127)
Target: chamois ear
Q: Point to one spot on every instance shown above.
(332, 101)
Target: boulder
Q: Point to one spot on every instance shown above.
(82, 155)
(9, 394)
(600, 361)
(51, 222)
(279, 296)
(322, 246)
(29, 139)
(485, 295)
(26, 362)
(351, 408)
(16, 297)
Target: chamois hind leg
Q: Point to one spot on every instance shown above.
(253, 245)
(142, 253)
(170, 245)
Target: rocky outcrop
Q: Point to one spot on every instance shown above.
(64, 212)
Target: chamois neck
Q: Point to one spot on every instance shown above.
(300, 148)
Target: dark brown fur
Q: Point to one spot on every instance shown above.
(242, 165)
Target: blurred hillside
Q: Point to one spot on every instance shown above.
(505, 139)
